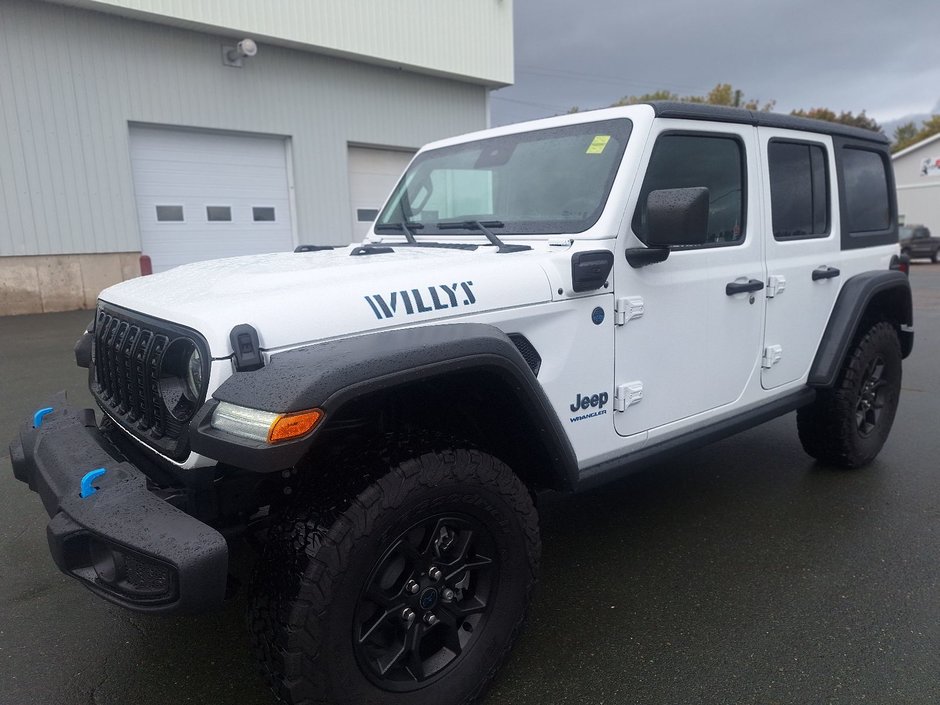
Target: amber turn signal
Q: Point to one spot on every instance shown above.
(289, 426)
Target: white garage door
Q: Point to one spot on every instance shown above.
(203, 195)
(373, 173)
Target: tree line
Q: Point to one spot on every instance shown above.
(725, 94)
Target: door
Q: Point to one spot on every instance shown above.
(373, 174)
(205, 195)
(802, 250)
(695, 345)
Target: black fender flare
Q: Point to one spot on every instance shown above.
(850, 309)
(328, 375)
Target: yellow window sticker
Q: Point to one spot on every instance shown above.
(597, 146)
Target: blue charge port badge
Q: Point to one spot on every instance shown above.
(88, 489)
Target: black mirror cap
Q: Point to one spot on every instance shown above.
(677, 216)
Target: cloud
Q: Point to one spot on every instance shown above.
(860, 55)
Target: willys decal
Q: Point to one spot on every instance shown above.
(424, 300)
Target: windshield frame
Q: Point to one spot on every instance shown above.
(621, 127)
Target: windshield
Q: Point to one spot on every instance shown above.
(547, 181)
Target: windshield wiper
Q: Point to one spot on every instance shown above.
(406, 227)
(484, 227)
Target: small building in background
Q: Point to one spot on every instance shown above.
(917, 174)
(132, 127)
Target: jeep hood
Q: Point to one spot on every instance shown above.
(293, 298)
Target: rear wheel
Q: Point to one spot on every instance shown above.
(847, 425)
(413, 594)
(935, 258)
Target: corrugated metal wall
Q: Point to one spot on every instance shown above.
(72, 80)
(469, 38)
(918, 194)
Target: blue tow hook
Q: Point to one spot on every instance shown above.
(89, 489)
(40, 415)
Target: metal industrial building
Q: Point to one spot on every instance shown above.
(125, 128)
(917, 174)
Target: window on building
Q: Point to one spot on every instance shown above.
(263, 214)
(715, 162)
(799, 189)
(367, 215)
(170, 214)
(218, 213)
(865, 180)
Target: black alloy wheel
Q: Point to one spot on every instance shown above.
(426, 601)
(871, 398)
(847, 425)
(410, 592)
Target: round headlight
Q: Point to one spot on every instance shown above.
(181, 378)
(194, 374)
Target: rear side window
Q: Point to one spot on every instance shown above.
(866, 190)
(715, 162)
(799, 189)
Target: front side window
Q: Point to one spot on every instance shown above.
(546, 182)
(715, 162)
(866, 190)
(799, 189)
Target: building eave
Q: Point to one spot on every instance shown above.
(489, 78)
(915, 147)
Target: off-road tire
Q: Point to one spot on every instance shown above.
(317, 561)
(830, 428)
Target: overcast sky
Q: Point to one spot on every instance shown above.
(860, 55)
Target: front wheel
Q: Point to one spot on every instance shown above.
(412, 595)
(847, 425)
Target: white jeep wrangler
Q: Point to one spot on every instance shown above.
(541, 306)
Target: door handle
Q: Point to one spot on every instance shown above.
(825, 272)
(743, 287)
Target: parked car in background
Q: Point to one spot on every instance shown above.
(916, 241)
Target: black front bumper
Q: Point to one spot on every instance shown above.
(122, 542)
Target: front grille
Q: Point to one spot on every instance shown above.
(127, 363)
(128, 355)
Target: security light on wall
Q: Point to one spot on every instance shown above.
(235, 55)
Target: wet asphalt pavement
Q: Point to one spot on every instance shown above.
(742, 573)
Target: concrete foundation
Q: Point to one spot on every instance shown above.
(46, 283)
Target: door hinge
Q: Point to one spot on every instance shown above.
(627, 395)
(776, 284)
(628, 308)
(772, 355)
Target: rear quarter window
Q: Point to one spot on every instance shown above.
(868, 209)
(866, 191)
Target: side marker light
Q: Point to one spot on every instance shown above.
(289, 426)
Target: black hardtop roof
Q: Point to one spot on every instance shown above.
(718, 113)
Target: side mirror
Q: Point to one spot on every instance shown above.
(677, 216)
